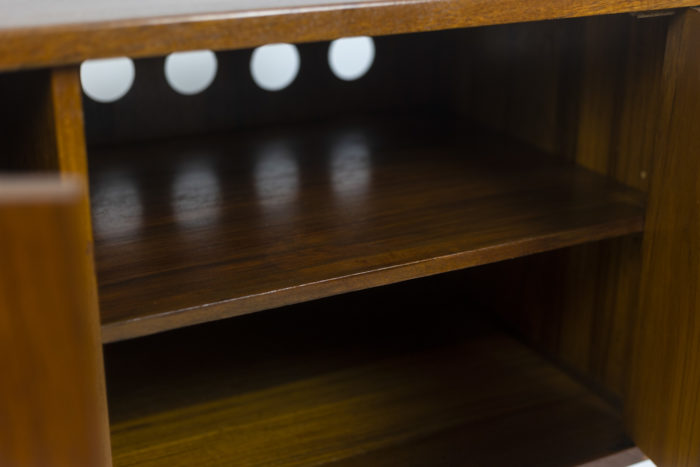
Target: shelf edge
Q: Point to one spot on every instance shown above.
(147, 325)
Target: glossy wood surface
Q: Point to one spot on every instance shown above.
(363, 379)
(664, 399)
(52, 393)
(203, 228)
(587, 90)
(51, 33)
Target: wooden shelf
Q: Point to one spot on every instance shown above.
(364, 379)
(48, 33)
(215, 226)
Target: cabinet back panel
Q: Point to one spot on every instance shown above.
(411, 73)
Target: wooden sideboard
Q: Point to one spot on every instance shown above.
(485, 251)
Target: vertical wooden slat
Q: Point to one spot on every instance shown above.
(43, 132)
(663, 407)
(68, 150)
(53, 408)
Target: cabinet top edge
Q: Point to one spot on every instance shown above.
(46, 33)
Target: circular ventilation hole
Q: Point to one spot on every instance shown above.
(351, 57)
(107, 80)
(274, 66)
(190, 72)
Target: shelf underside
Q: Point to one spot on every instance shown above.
(214, 226)
(351, 381)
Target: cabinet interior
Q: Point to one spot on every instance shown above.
(408, 238)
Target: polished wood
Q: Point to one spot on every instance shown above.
(56, 33)
(663, 407)
(587, 90)
(209, 227)
(52, 393)
(362, 379)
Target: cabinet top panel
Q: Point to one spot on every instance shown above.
(38, 33)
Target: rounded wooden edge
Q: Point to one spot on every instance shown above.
(35, 188)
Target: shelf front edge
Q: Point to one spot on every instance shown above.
(152, 324)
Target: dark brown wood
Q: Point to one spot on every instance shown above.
(588, 90)
(55, 33)
(209, 227)
(53, 408)
(663, 409)
(362, 379)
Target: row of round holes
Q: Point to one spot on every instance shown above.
(273, 68)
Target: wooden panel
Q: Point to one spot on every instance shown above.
(209, 227)
(56, 33)
(362, 379)
(664, 397)
(52, 397)
(587, 90)
(152, 109)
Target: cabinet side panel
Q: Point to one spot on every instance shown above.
(663, 409)
(586, 90)
(52, 397)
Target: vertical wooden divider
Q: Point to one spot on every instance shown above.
(69, 148)
(52, 399)
(50, 316)
(663, 402)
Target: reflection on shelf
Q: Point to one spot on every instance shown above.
(351, 168)
(276, 178)
(117, 206)
(196, 195)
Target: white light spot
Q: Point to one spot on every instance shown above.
(351, 57)
(190, 72)
(107, 80)
(274, 66)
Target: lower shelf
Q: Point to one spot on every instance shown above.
(339, 381)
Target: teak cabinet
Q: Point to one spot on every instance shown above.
(486, 251)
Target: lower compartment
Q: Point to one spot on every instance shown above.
(408, 374)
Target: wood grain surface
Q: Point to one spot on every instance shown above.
(588, 90)
(363, 379)
(53, 408)
(54, 33)
(663, 406)
(214, 226)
